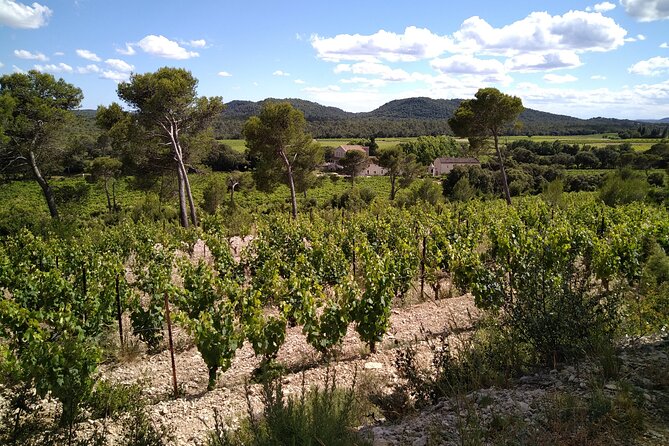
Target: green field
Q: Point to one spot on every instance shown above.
(382, 142)
(237, 144)
(598, 140)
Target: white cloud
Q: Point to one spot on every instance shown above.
(116, 76)
(58, 53)
(200, 43)
(2, 64)
(355, 101)
(17, 69)
(128, 51)
(598, 77)
(647, 10)
(55, 68)
(91, 68)
(557, 38)
(529, 62)
(664, 45)
(601, 7)
(322, 89)
(299, 81)
(385, 72)
(120, 65)
(280, 73)
(639, 37)
(24, 54)
(224, 74)
(559, 79)
(577, 31)
(365, 82)
(18, 15)
(414, 44)
(651, 67)
(461, 64)
(161, 46)
(635, 102)
(89, 55)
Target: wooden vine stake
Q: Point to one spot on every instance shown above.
(119, 311)
(422, 271)
(171, 344)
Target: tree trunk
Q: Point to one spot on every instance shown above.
(184, 183)
(189, 194)
(291, 183)
(392, 187)
(109, 203)
(183, 217)
(213, 370)
(507, 193)
(114, 195)
(46, 188)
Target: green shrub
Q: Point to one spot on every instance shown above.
(318, 417)
(623, 187)
(112, 400)
(544, 278)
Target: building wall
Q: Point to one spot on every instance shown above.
(339, 153)
(374, 170)
(439, 169)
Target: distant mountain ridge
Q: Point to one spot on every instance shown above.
(656, 121)
(408, 117)
(421, 115)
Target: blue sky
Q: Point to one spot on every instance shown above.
(576, 58)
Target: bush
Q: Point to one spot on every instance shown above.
(623, 187)
(112, 400)
(139, 430)
(488, 358)
(542, 280)
(214, 194)
(656, 179)
(318, 417)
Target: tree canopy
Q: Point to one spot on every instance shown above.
(34, 107)
(354, 162)
(486, 116)
(165, 104)
(278, 142)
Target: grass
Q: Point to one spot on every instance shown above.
(325, 416)
(598, 140)
(237, 144)
(382, 142)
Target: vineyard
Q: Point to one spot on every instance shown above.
(555, 280)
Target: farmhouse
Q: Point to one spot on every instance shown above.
(443, 165)
(374, 170)
(340, 152)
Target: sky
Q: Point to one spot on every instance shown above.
(577, 58)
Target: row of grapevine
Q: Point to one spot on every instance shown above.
(542, 266)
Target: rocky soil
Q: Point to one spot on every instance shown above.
(450, 421)
(191, 415)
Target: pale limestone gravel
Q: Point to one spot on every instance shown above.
(191, 416)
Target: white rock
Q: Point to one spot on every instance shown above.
(373, 365)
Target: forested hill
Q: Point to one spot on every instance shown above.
(407, 117)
